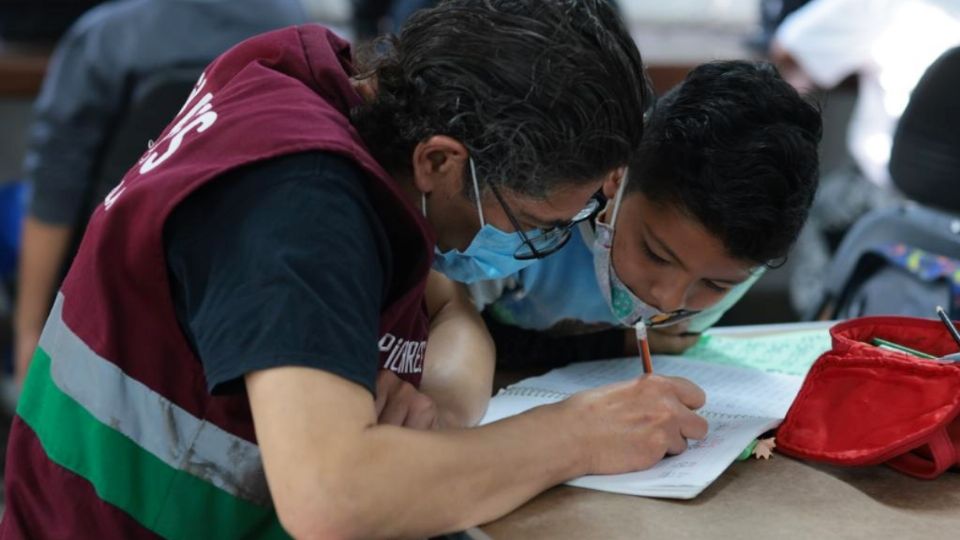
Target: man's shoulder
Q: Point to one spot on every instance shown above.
(308, 164)
(109, 16)
(287, 184)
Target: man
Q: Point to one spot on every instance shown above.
(210, 368)
(96, 70)
(718, 192)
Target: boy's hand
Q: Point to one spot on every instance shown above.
(399, 403)
(632, 425)
(671, 339)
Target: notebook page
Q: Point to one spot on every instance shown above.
(729, 389)
(790, 353)
(684, 476)
(735, 390)
(741, 404)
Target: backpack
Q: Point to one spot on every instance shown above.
(903, 260)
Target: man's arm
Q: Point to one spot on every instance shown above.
(44, 250)
(458, 374)
(460, 356)
(825, 41)
(790, 69)
(82, 95)
(334, 472)
(77, 103)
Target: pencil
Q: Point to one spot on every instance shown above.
(884, 344)
(646, 362)
(949, 324)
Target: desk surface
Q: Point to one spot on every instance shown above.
(777, 499)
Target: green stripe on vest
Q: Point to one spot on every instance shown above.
(170, 502)
(153, 422)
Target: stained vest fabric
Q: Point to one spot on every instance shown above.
(116, 435)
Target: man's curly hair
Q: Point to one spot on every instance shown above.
(542, 93)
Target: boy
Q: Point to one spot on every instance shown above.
(717, 193)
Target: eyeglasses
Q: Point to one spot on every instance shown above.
(548, 241)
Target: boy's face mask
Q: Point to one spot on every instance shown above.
(627, 307)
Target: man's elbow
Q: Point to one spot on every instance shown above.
(321, 512)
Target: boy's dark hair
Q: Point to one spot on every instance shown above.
(735, 147)
(542, 93)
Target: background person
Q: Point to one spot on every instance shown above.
(96, 70)
(887, 45)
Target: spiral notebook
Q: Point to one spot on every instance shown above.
(742, 403)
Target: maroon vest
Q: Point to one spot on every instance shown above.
(282, 92)
(279, 93)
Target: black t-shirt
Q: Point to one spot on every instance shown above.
(280, 263)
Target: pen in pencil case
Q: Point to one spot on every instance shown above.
(889, 345)
(951, 329)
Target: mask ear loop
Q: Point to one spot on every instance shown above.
(613, 220)
(476, 191)
(617, 199)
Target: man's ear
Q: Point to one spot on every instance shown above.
(438, 165)
(612, 183)
(366, 87)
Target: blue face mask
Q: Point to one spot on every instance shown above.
(490, 254)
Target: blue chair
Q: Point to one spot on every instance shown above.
(13, 202)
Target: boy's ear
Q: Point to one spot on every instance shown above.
(612, 183)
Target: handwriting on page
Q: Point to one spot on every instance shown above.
(729, 389)
(734, 390)
(741, 404)
(790, 353)
(685, 475)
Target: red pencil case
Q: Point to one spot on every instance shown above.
(863, 405)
